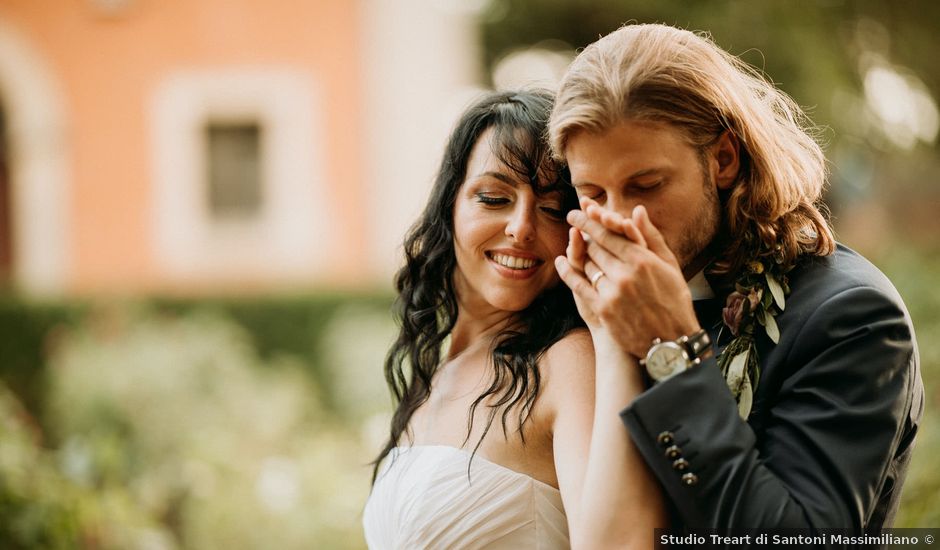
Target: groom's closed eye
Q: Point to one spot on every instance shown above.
(590, 191)
(649, 185)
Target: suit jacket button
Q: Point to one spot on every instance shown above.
(681, 465)
(689, 479)
(673, 452)
(666, 438)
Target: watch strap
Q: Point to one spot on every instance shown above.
(695, 344)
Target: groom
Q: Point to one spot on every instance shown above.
(784, 387)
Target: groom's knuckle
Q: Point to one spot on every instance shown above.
(624, 279)
(642, 263)
(606, 309)
(602, 238)
(625, 287)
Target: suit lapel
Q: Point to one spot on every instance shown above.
(708, 312)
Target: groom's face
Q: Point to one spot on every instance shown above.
(651, 164)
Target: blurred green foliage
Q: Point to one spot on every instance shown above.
(287, 325)
(37, 503)
(277, 326)
(915, 274)
(25, 330)
(166, 427)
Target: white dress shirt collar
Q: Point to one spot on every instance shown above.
(699, 287)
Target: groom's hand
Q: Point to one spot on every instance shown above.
(642, 294)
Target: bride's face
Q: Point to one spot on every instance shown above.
(505, 235)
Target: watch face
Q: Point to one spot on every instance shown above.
(665, 360)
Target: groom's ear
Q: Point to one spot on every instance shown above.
(725, 160)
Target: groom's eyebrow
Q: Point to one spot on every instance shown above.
(644, 172)
(628, 179)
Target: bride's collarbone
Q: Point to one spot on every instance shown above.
(446, 424)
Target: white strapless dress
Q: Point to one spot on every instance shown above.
(423, 499)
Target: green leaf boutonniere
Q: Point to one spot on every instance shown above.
(759, 295)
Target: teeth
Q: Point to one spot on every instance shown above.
(513, 262)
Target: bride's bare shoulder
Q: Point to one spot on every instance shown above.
(575, 347)
(568, 366)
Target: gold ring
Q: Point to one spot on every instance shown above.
(596, 277)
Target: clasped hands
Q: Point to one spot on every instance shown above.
(638, 291)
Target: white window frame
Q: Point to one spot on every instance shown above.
(282, 243)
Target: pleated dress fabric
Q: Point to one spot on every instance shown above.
(423, 499)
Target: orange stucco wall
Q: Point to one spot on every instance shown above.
(108, 67)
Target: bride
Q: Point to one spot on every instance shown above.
(497, 441)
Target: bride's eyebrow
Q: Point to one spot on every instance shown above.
(500, 176)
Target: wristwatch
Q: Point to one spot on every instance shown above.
(667, 359)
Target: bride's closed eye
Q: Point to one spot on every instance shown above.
(554, 210)
(491, 199)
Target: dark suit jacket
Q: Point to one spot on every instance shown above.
(831, 432)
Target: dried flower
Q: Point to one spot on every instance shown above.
(754, 297)
(733, 311)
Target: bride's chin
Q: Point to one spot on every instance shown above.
(512, 304)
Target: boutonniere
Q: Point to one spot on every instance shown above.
(759, 295)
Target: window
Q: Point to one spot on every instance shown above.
(234, 170)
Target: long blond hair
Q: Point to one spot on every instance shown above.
(664, 74)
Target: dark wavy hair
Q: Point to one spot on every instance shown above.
(426, 307)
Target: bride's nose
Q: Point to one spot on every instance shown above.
(521, 224)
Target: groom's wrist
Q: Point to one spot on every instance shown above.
(667, 358)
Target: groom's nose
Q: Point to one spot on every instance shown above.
(621, 205)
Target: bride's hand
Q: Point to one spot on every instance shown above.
(570, 268)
